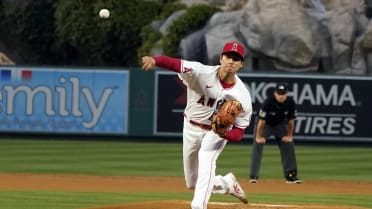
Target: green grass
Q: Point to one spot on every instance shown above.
(90, 157)
(165, 159)
(64, 200)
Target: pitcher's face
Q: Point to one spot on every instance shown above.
(231, 62)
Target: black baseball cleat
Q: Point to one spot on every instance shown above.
(253, 179)
(293, 180)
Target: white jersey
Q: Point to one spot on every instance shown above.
(205, 94)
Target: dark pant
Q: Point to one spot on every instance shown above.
(287, 150)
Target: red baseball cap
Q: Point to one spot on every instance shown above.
(234, 47)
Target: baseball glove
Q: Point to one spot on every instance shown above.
(225, 117)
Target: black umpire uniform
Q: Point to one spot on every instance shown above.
(276, 118)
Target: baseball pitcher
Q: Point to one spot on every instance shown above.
(205, 132)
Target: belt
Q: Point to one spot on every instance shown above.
(202, 126)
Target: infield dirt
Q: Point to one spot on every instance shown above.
(176, 184)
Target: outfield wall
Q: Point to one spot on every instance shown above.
(130, 102)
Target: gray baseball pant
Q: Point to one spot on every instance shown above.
(287, 151)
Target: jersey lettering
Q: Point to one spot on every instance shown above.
(201, 100)
(209, 102)
(219, 104)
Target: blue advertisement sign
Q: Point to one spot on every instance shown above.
(63, 100)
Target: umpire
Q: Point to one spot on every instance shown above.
(276, 118)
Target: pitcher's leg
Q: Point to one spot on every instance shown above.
(192, 137)
(220, 185)
(208, 154)
(190, 165)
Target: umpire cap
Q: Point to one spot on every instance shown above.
(281, 88)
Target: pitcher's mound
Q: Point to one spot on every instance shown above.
(181, 204)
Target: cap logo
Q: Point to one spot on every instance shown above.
(234, 47)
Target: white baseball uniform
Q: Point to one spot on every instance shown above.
(201, 147)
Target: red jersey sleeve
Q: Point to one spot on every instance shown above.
(168, 63)
(235, 134)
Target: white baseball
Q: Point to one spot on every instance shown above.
(104, 13)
